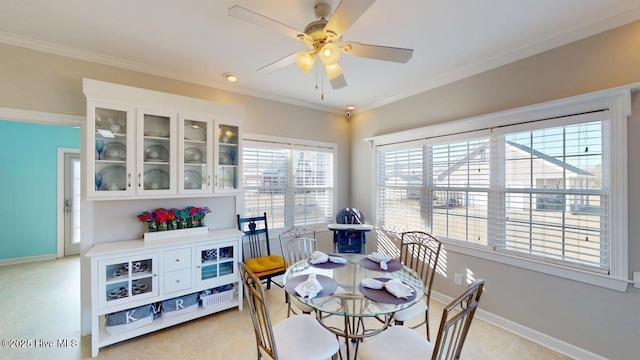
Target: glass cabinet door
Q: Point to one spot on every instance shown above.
(216, 265)
(110, 143)
(156, 153)
(124, 280)
(229, 155)
(195, 154)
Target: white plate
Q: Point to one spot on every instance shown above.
(157, 126)
(156, 153)
(194, 132)
(115, 151)
(114, 174)
(156, 179)
(193, 155)
(192, 180)
(224, 158)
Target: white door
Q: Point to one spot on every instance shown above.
(71, 204)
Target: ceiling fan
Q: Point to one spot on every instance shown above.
(323, 39)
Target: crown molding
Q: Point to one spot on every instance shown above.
(534, 47)
(97, 58)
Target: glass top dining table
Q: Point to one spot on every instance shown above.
(343, 294)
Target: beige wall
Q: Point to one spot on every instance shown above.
(601, 321)
(32, 80)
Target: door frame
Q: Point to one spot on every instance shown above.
(60, 240)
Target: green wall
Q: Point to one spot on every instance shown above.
(28, 171)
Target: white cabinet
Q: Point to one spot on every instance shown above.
(128, 275)
(148, 144)
(156, 152)
(228, 156)
(178, 270)
(195, 154)
(110, 150)
(126, 280)
(216, 264)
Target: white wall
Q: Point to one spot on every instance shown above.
(603, 322)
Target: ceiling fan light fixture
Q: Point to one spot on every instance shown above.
(329, 54)
(305, 61)
(333, 71)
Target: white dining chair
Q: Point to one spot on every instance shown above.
(297, 244)
(419, 251)
(401, 342)
(296, 337)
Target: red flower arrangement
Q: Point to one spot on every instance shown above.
(165, 218)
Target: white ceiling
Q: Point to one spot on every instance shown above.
(197, 41)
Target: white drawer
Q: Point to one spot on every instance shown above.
(177, 280)
(177, 259)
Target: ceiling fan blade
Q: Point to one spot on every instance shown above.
(260, 20)
(347, 12)
(338, 82)
(385, 53)
(279, 64)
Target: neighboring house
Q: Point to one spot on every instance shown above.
(473, 167)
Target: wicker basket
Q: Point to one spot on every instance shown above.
(217, 298)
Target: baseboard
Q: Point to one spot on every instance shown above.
(527, 333)
(27, 259)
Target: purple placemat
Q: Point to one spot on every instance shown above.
(383, 296)
(329, 285)
(328, 264)
(392, 265)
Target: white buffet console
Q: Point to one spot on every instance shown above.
(138, 286)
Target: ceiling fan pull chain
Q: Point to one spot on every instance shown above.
(322, 86)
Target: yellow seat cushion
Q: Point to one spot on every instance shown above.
(266, 265)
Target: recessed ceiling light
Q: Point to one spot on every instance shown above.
(350, 107)
(230, 77)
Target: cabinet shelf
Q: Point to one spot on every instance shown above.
(106, 339)
(195, 142)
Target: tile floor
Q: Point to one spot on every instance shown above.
(40, 301)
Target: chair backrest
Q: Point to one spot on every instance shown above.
(455, 324)
(256, 300)
(420, 251)
(255, 229)
(297, 244)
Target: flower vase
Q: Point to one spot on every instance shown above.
(182, 224)
(162, 226)
(192, 222)
(152, 226)
(172, 225)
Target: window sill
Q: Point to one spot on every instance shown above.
(586, 277)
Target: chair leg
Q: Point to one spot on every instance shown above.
(426, 323)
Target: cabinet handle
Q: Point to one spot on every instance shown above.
(129, 180)
(177, 260)
(198, 266)
(208, 180)
(139, 180)
(177, 281)
(216, 179)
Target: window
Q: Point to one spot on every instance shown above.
(291, 180)
(533, 187)
(400, 188)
